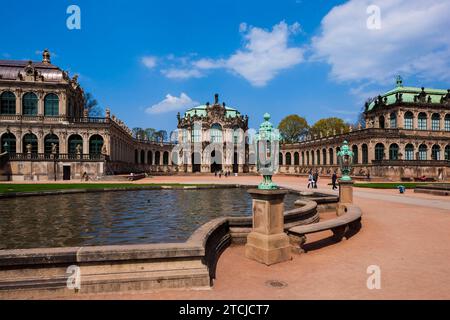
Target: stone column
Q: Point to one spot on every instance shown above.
(267, 243)
(345, 196)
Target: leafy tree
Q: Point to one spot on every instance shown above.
(138, 133)
(161, 136)
(293, 128)
(150, 134)
(91, 104)
(329, 125)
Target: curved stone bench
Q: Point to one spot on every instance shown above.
(343, 226)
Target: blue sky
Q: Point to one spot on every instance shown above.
(147, 60)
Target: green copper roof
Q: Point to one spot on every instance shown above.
(408, 94)
(201, 112)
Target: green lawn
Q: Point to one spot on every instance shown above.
(10, 188)
(389, 185)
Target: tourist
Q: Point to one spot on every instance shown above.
(315, 178)
(310, 180)
(220, 174)
(333, 180)
(215, 173)
(368, 175)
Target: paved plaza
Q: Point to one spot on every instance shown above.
(406, 235)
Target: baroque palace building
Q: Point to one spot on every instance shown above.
(46, 134)
(407, 136)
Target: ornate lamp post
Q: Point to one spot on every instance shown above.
(345, 158)
(267, 243)
(267, 147)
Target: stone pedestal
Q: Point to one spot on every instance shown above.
(267, 243)
(345, 196)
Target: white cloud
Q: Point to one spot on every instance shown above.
(264, 55)
(149, 61)
(412, 40)
(175, 73)
(172, 103)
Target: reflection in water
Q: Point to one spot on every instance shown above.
(107, 218)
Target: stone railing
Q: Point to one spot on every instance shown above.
(53, 119)
(421, 163)
(56, 157)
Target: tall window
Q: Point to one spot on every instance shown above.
(393, 152)
(149, 157)
(296, 159)
(196, 134)
(96, 145)
(330, 151)
(393, 120)
(303, 158)
(236, 135)
(422, 152)
(76, 144)
(447, 122)
(30, 140)
(288, 159)
(435, 122)
(355, 153)
(436, 152)
(51, 105)
(318, 157)
(7, 103)
(324, 156)
(379, 151)
(216, 133)
(8, 143)
(184, 134)
(408, 120)
(447, 153)
(313, 162)
(280, 159)
(30, 104)
(51, 140)
(165, 158)
(409, 152)
(381, 120)
(422, 121)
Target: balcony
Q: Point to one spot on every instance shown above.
(65, 157)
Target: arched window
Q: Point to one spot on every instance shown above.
(381, 120)
(303, 158)
(422, 122)
(379, 151)
(157, 157)
(51, 105)
(393, 151)
(288, 159)
(7, 103)
(216, 133)
(296, 159)
(307, 158)
(142, 156)
(409, 152)
(409, 120)
(95, 144)
(280, 159)
(165, 158)
(313, 161)
(435, 122)
(196, 133)
(75, 144)
(30, 139)
(447, 153)
(8, 143)
(393, 120)
(324, 156)
(447, 122)
(423, 152)
(150, 157)
(30, 104)
(49, 141)
(365, 154)
(355, 153)
(436, 152)
(136, 156)
(330, 151)
(237, 135)
(318, 157)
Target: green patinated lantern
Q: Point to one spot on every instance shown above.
(345, 157)
(267, 142)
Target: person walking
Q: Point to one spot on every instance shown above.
(315, 178)
(333, 180)
(310, 180)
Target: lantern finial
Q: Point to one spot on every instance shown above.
(345, 157)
